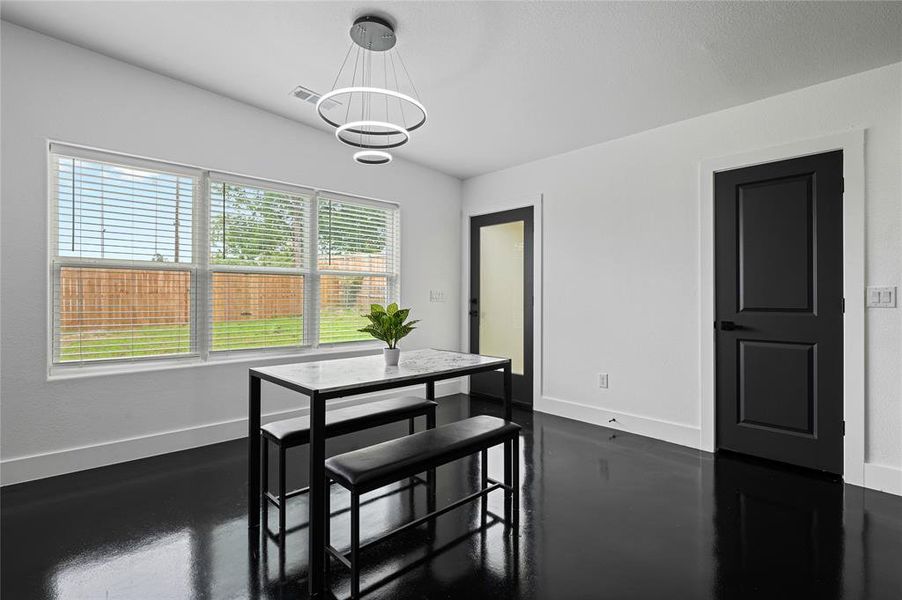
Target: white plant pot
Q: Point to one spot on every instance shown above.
(391, 356)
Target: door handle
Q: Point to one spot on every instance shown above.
(729, 326)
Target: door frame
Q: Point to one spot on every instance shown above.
(534, 201)
(520, 386)
(852, 145)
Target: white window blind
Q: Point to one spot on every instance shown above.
(259, 262)
(122, 270)
(158, 260)
(357, 263)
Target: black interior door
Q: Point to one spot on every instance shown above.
(779, 310)
(501, 298)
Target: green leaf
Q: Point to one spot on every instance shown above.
(376, 308)
(404, 330)
(392, 308)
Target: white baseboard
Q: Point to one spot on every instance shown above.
(876, 476)
(676, 433)
(38, 466)
(883, 477)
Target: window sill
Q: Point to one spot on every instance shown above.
(255, 358)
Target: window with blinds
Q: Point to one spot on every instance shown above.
(122, 270)
(158, 260)
(357, 264)
(259, 260)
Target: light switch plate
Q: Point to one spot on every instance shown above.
(436, 296)
(603, 380)
(881, 297)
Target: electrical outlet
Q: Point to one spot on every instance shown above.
(881, 297)
(603, 380)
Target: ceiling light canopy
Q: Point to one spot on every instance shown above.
(373, 103)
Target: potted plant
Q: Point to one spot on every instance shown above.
(388, 325)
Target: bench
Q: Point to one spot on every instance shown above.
(289, 433)
(367, 469)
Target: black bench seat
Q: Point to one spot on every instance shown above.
(367, 469)
(296, 431)
(375, 466)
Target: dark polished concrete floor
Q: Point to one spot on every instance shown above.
(605, 515)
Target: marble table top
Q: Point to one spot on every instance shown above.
(350, 373)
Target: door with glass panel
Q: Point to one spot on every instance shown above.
(501, 299)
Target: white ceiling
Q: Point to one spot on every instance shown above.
(504, 82)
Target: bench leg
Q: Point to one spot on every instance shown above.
(484, 475)
(355, 545)
(512, 479)
(430, 474)
(264, 480)
(327, 535)
(282, 503)
(411, 429)
(508, 477)
(508, 472)
(515, 484)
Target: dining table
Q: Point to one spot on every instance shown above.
(323, 380)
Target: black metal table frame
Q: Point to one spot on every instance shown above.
(317, 449)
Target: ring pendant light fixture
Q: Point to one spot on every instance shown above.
(372, 157)
(378, 105)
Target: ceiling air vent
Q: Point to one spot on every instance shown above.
(311, 97)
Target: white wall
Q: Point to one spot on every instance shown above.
(53, 90)
(621, 263)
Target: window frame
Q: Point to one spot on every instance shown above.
(201, 268)
(56, 262)
(393, 276)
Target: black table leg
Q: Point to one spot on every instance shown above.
(508, 394)
(253, 452)
(317, 495)
(508, 446)
(253, 563)
(430, 474)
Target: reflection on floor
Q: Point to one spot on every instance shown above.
(605, 515)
